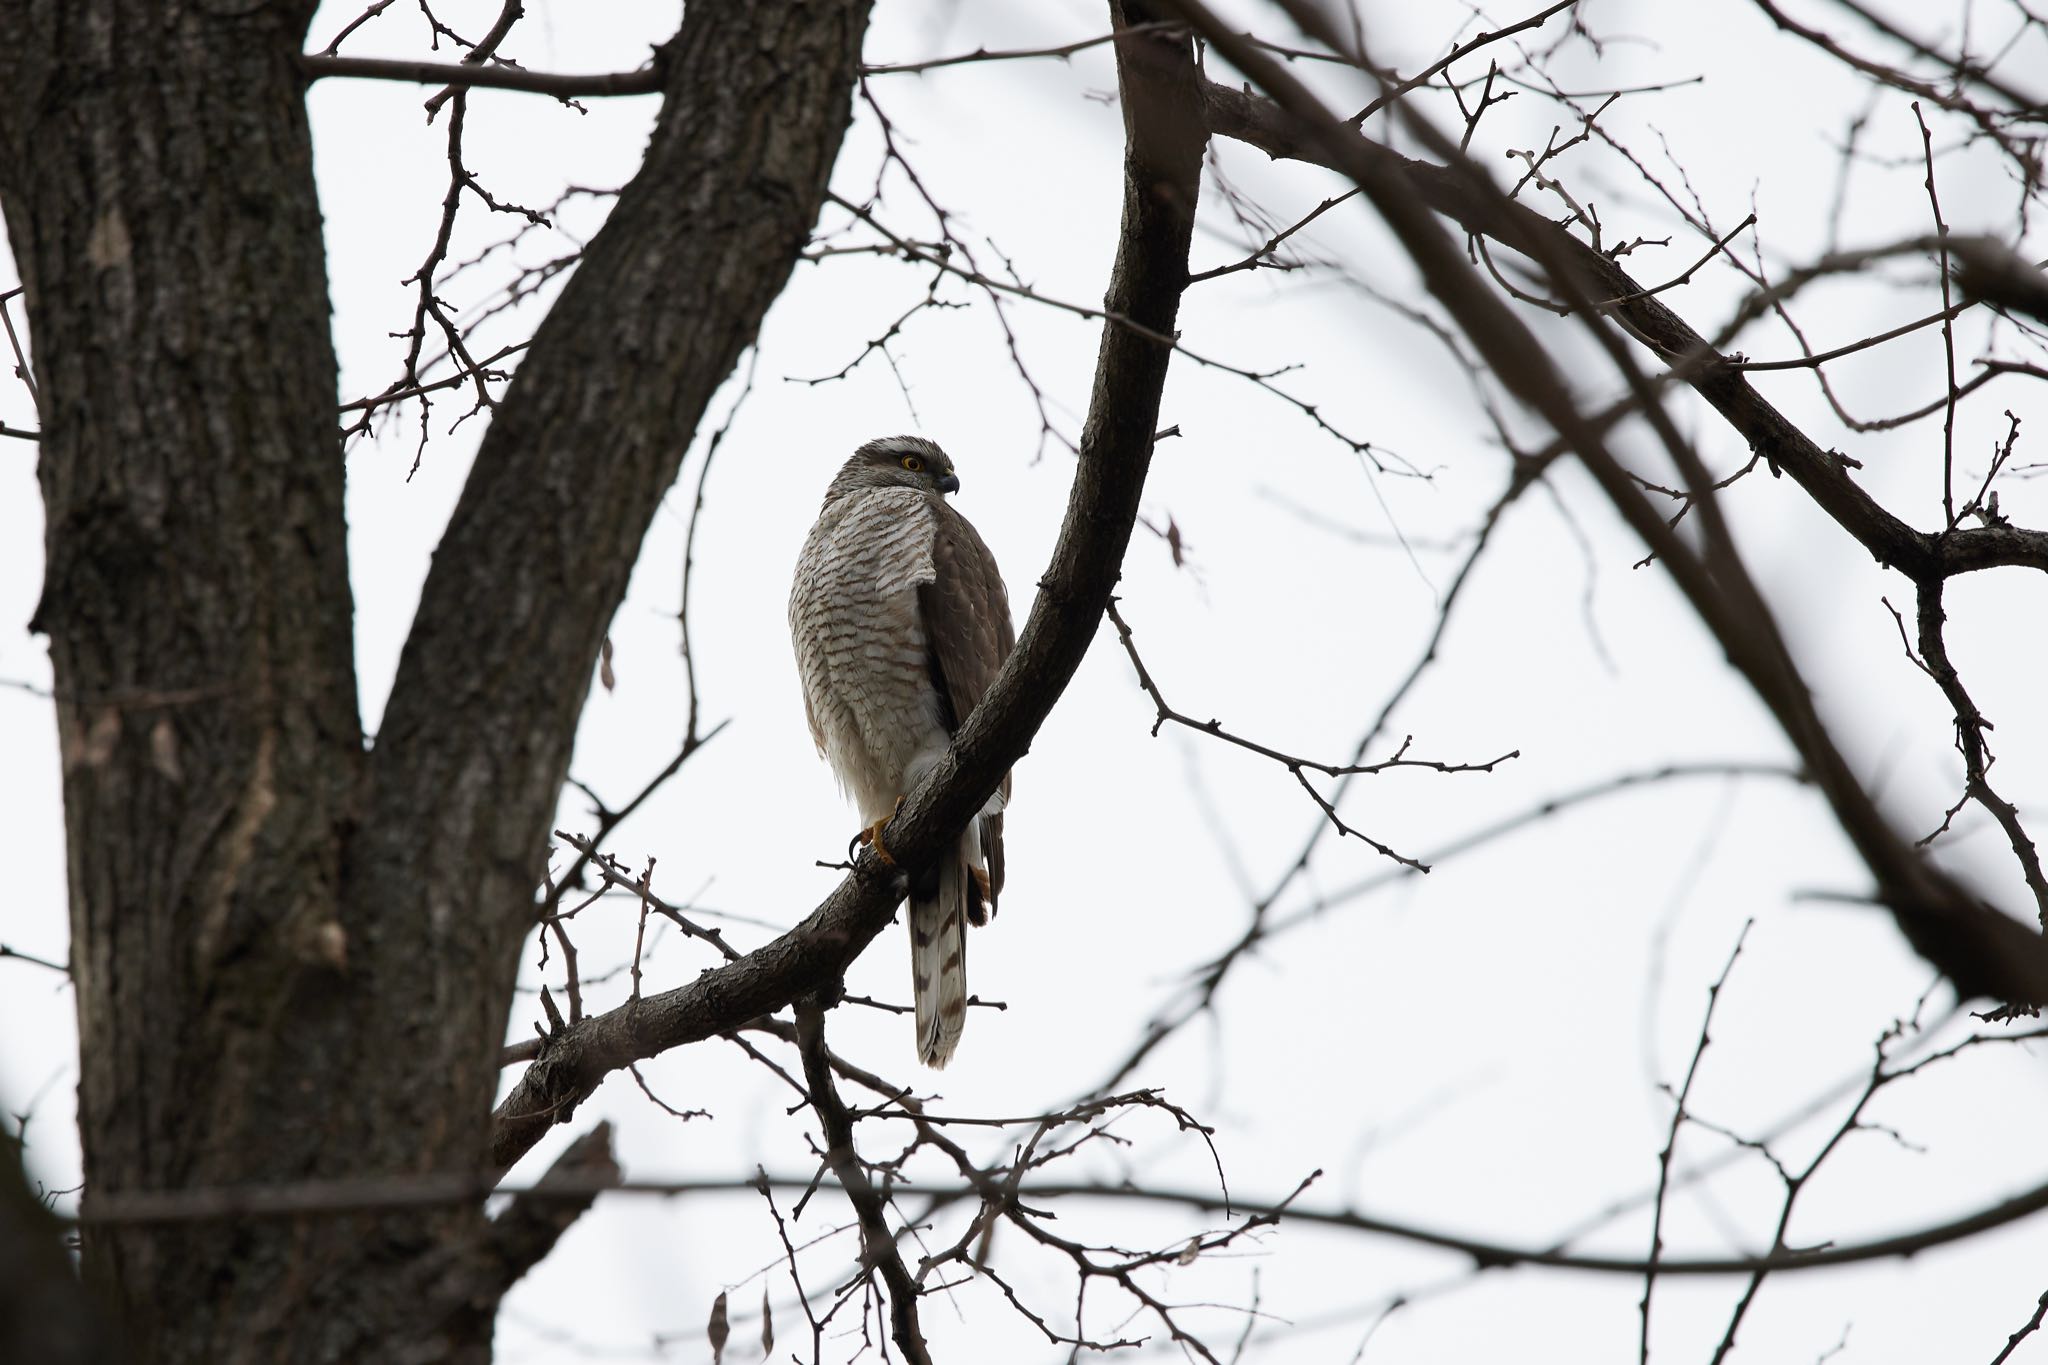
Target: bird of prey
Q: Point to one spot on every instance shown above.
(900, 623)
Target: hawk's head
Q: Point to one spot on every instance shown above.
(898, 462)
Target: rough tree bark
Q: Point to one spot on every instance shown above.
(294, 956)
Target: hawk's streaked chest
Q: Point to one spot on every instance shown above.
(858, 629)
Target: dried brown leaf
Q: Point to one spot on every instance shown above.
(718, 1329)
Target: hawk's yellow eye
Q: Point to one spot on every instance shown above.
(914, 463)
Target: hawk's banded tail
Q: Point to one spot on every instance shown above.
(938, 950)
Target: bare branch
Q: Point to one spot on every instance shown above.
(348, 1197)
(1293, 764)
(1679, 1115)
(646, 81)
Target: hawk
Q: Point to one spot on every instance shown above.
(900, 623)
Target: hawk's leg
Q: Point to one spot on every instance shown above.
(978, 906)
(872, 836)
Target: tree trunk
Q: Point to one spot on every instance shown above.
(293, 956)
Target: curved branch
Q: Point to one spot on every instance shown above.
(1164, 136)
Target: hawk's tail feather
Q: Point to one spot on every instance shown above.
(938, 956)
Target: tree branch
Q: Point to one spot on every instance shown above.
(648, 80)
(354, 1197)
(1824, 475)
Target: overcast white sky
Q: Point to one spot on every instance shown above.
(1478, 1050)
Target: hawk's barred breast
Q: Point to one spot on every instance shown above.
(861, 645)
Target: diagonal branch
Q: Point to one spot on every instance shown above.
(1824, 475)
(1972, 745)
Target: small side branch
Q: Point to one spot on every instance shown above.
(1292, 762)
(878, 1244)
(1678, 1118)
(1971, 743)
(615, 876)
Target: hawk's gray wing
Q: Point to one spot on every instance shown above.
(968, 635)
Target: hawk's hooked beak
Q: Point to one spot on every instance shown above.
(949, 483)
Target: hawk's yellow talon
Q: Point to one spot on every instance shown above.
(872, 837)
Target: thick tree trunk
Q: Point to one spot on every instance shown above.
(159, 194)
(294, 957)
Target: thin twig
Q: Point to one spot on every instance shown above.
(1678, 1118)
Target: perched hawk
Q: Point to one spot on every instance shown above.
(900, 623)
